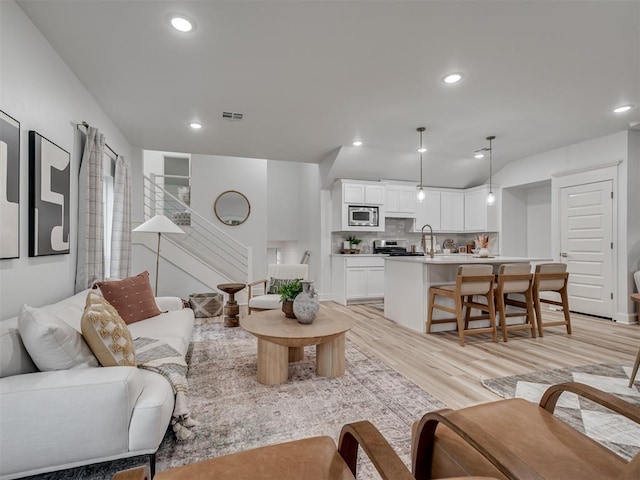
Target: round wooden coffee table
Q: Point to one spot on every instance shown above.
(282, 340)
(231, 308)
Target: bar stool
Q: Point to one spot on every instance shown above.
(471, 280)
(515, 278)
(551, 277)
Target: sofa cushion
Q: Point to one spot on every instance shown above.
(52, 343)
(173, 327)
(106, 333)
(132, 297)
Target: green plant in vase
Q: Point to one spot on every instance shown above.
(353, 241)
(288, 293)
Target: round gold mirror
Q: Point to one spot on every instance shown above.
(232, 208)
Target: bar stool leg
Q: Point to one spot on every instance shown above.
(501, 313)
(432, 297)
(459, 320)
(536, 306)
(565, 307)
(492, 314)
(528, 298)
(635, 370)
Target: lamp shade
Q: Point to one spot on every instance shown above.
(158, 224)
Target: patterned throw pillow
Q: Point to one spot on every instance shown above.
(106, 333)
(276, 283)
(132, 297)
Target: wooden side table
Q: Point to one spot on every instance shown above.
(231, 308)
(636, 298)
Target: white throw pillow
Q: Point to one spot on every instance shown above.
(51, 343)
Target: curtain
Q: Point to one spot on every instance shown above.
(121, 224)
(90, 258)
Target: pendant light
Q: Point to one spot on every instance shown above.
(421, 193)
(491, 198)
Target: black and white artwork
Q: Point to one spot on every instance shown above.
(49, 197)
(9, 187)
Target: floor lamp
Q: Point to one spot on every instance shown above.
(158, 224)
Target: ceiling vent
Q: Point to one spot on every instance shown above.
(232, 116)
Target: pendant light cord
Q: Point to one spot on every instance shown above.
(420, 158)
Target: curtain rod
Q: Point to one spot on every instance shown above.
(86, 125)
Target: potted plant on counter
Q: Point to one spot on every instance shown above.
(353, 243)
(288, 293)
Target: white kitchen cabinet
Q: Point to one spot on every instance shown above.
(428, 212)
(357, 277)
(452, 211)
(351, 192)
(478, 216)
(400, 201)
(363, 194)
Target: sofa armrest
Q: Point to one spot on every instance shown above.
(168, 304)
(66, 416)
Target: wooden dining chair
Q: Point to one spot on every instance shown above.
(551, 277)
(471, 280)
(515, 278)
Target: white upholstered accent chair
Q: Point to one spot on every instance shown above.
(280, 271)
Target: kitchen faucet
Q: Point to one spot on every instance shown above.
(424, 240)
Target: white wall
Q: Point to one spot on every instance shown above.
(622, 150)
(213, 174)
(40, 91)
(283, 191)
(538, 222)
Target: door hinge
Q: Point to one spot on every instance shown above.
(611, 245)
(611, 194)
(611, 295)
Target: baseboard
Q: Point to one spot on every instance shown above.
(626, 318)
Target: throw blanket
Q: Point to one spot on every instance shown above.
(157, 356)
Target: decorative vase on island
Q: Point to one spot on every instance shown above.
(287, 308)
(306, 304)
(484, 252)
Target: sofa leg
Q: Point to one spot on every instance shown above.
(152, 465)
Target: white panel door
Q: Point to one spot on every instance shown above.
(586, 234)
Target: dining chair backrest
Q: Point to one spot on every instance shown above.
(551, 284)
(517, 283)
(474, 286)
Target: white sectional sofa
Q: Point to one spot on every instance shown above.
(66, 418)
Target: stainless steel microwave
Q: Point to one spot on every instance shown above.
(363, 216)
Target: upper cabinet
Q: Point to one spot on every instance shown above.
(442, 209)
(400, 201)
(363, 193)
(369, 195)
(478, 216)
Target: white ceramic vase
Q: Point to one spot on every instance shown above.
(484, 252)
(306, 304)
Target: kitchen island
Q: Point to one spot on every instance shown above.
(407, 281)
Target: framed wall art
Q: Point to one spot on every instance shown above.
(49, 197)
(9, 187)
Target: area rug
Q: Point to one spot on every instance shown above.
(237, 413)
(611, 430)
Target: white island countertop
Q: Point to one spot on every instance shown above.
(407, 281)
(460, 258)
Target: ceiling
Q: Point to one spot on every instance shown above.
(311, 77)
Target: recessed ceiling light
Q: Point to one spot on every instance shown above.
(622, 108)
(479, 155)
(195, 125)
(181, 24)
(357, 143)
(422, 150)
(452, 78)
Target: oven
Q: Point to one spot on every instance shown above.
(363, 216)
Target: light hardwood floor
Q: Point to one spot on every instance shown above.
(453, 374)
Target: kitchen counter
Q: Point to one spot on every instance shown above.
(358, 255)
(407, 281)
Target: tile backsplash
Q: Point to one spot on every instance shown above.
(400, 229)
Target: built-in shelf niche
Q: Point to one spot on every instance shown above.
(526, 220)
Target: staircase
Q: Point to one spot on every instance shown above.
(206, 252)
